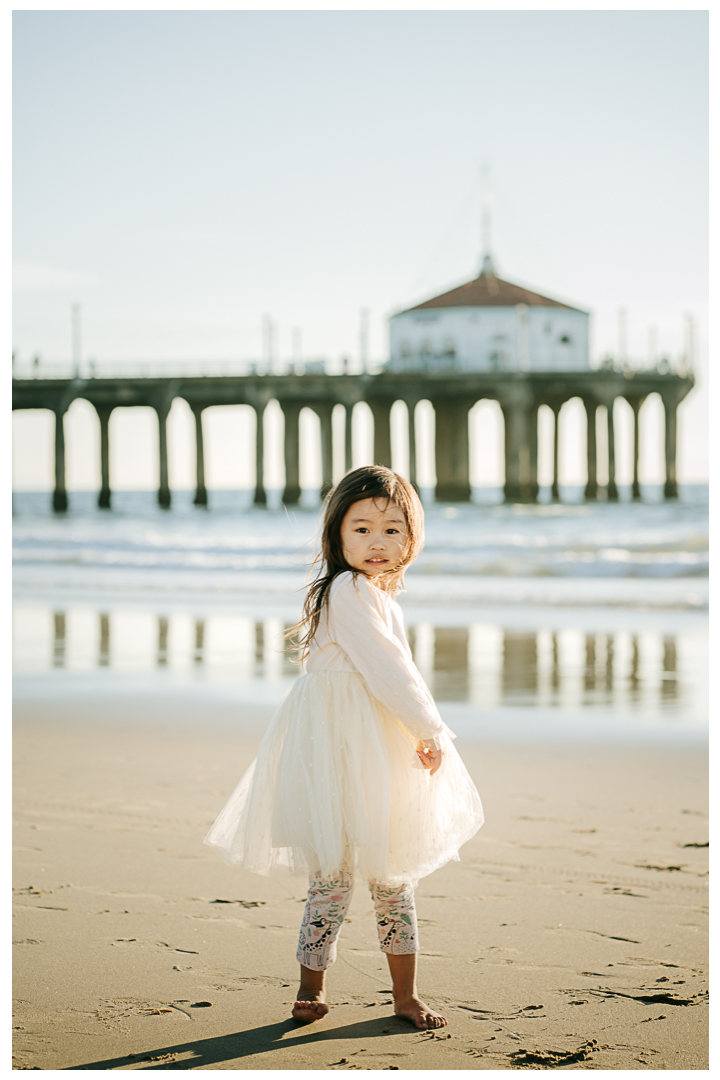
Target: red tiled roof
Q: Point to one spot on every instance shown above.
(489, 291)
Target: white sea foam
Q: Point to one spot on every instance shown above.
(652, 553)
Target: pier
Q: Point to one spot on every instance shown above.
(451, 393)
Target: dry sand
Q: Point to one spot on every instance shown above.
(572, 933)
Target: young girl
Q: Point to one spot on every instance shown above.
(356, 776)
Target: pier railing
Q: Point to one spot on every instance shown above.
(197, 369)
(165, 369)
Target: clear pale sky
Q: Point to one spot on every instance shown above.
(179, 174)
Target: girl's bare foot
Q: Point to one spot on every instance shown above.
(310, 1006)
(418, 1013)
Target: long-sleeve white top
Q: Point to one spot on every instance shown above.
(361, 630)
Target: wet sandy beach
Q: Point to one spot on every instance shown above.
(572, 933)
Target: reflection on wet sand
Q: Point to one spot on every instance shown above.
(199, 641)
(451, 659)
(162, 640)
(483, 664)
(669, 686)
(259, 647)
(519, 663)
(104, 651)
(59, 639)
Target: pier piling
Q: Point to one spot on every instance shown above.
(104, 498)
(164, 498)
(591, 487)
(555, 488)
(201, 498)
(60, 499)
(635, 405)
(671, 486)
(260, 497)
(452, 445)
(291, 492)
(325, 412)
(612, 491)
(382, 446)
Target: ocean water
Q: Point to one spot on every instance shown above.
(566, 620)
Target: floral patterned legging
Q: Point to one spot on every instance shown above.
(327, 905)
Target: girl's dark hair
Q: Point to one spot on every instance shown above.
(368, 482)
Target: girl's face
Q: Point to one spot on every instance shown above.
(374, 534)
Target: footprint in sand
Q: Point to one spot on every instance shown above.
(114, 1010)
(242, 903)
(555, 1058)
(152, 944)
(236, 982)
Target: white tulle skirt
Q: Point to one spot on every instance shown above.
(337, 784)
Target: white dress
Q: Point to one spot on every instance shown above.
(337, 782)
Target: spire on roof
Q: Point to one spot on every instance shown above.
(488, 266)
(487, 289)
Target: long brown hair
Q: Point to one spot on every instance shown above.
(368, 482)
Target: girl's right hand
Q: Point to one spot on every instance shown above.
(430, 757)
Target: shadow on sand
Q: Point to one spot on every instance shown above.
(260, 1040)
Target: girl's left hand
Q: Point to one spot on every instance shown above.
(430, 758)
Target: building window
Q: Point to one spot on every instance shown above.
(405, 348)
(449, 347)
(426, 348)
